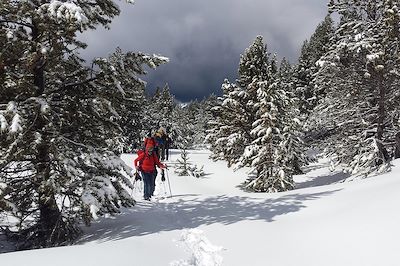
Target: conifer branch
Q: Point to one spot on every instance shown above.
(17, 22)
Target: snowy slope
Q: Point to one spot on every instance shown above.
(348, 223)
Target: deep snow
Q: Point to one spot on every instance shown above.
(323, 222)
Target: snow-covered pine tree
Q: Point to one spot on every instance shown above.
(202, 119)
(181, 127)
(311, 52)
(254, 63)
(199, 114)
(182, 168)
(207, 104)
(161, 106)
(156, 112)
(230, 132)
(185, 168)
(59, 119)
(272, 155)
(293, 147)
(188, 124)
(255, 66)
(360, 76)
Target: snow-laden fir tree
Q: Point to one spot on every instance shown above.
(200, 115)
(254, 63)
(183, 165)
(185, 168)
(277, 151)
(230, 132)
(159, 108)
(156, 113)
(254, 123)
(292, 144)
(61, 120)
(189, 123)
(181, 127)
(358, 119)
(311, 52)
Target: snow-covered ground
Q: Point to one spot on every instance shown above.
(323, 222)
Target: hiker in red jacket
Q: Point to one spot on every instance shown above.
(146, 163)
(150, 141)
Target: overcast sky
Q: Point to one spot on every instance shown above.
(204, 38)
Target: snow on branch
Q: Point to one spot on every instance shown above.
(16, 124)
(64, 11)
(3, 124)
(155, 60)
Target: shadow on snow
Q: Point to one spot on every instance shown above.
(324, 180)
(321, 179)
(149, 218)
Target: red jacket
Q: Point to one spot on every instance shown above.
(148, 163)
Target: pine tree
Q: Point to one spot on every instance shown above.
(254, 63)
(161, 110)
(199, 116)
(186, 168)
(162, 105)
(277, 152)
(230, 132)
(292, 144)
(61, 120)
(181, 127)
(312, 50)
(255, 123)
(183, 166)
(360, 77)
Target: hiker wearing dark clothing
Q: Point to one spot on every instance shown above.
(146, 162)
(159, 138)
(164, 141)
(167, 144)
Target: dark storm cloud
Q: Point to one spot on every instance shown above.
(204, 39)
(196, 69)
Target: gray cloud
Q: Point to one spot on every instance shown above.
(204, 39)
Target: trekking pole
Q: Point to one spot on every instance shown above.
(141, 185)
(163, 181)
(169, 184)
(137, 178)
(165, 189)
(133, 187)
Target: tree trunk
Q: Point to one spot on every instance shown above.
(397, 149)
(381, 118)
(49, 216)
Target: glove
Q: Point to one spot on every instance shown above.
(137, 176)
(162, 176)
